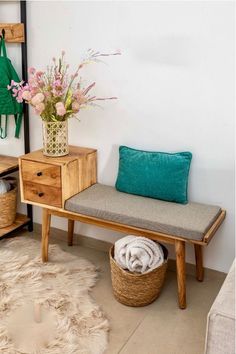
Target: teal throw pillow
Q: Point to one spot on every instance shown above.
(158, 175)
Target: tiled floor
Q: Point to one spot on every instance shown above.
(160, 328)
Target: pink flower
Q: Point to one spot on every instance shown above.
(39, 108)
(60, 108)
(26, 95)
(47, 94)
(38, 98)
(19, 97)
(82, 99)
(33, 90)
(39, 74)
(31, 70)
(75, 106)
(33, 82)
(57, 83)
(40, 83)
(58, 87)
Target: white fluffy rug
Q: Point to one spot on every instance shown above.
(45, 308)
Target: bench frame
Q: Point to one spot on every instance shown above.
(178, 241)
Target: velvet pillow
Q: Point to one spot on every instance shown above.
(158, 175)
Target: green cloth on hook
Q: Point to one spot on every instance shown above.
(8, 103)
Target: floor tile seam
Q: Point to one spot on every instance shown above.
(131, 335)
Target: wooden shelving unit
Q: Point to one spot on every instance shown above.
(17, 33)
(20, 221)
(9, 164)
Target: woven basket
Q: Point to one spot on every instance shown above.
(133, 289)
(8, 205)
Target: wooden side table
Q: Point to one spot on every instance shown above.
(49, 181)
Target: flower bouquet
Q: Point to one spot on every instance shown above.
(56, 96)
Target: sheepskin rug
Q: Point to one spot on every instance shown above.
(45, 308)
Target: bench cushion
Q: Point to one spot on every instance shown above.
(190, 220)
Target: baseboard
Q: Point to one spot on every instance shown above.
(104, 246)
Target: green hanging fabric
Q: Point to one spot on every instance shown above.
(8, 103)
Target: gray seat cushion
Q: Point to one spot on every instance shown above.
(190, 221)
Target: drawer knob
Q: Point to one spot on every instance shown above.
(40, 194)
(39, 173)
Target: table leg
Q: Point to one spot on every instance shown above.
(181, 275)
(45, 233)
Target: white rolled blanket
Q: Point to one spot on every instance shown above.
(138, 254)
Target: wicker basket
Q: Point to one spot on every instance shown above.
(137, 289)
(8, 205)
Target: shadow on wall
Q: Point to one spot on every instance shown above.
(110, 169)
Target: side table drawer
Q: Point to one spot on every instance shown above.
(41, 173)
(42, 194)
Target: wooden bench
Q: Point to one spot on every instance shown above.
(166, 222)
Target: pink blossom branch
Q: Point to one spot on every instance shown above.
(103, 99)
(98, 54)
(88, 88)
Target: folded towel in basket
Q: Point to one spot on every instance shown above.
(138, 254)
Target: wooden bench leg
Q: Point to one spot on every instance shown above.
(181, 276)
(70, 232)
(45, 233)
(199, 262)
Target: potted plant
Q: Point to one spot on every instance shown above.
(56, 96)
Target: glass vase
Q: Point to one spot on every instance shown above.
(55, 138)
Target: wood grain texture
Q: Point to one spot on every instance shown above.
(71, 224)
(114, 226)
(199, 262)
(19, 221)
(14, 32)
(71, 173)
(180, 269)
(21, 180)
(42, 194)
(215, 226)
(122, 227)
(70, 180)
(46, 221)
(8, 163)
(87, 170)
(41, 173)
(75, 152)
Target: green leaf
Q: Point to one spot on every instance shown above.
(68, 99)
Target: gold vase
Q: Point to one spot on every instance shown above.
(55, 138)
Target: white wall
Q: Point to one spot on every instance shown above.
(175, 83)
